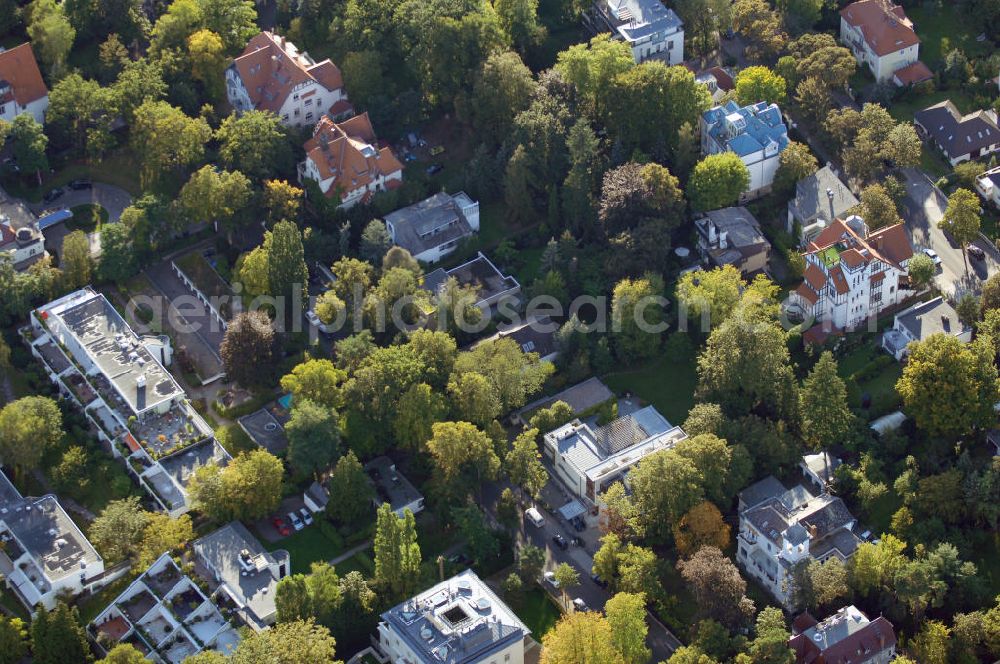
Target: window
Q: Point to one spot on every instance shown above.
(285, 117)
(309, 115)
(295, 96)
(296, 112)
(309, 102)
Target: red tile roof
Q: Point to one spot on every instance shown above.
(913, 73)
(723, 78)
(19, 68)
(839, 281)
(852, 258)
(6, 235)
(884, 31)
(876, 636)
(345, 151)
(807, 294)
(271, 67)
(814, 277)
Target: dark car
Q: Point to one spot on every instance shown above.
(280, 525)
(599, 581)
(80, 184)
(579, 525)
(560, 541)
(434, 169)
(577, 541)
(976, 252)
(53, 194)
(459, 559)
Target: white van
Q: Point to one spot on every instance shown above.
(535, 517)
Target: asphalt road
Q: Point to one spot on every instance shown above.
(111, 198)
(922, 208)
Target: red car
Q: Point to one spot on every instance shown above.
(280, 525)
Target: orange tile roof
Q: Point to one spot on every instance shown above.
(884, 31)
(19, 68)
(888, 244)
(839, 281)
(346, 152)
(131, 442)
(271, 67)
(814, 277)
(891, 243)
(807, 293)
(852, 258)
(913, 73)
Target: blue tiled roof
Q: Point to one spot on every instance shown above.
(763, 121)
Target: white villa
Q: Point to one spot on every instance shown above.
(882, 38)
(756, 133)
(22, 89)
(652, 31)
(119, 382)
(432, 228)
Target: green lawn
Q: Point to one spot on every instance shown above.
(943, 27)
(309, 545)
(87, 217)
(13, 604)
(118, 169)
(537, 611)
(361, 562)
(665, 382)
(902, 109)
(881, 387)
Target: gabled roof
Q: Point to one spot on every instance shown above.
(347, 152)
(846, 637)
(271, 67)
(958, 134)
(822, 194)
(19, 69)
(884, 31)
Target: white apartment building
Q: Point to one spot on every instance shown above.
(457, 621)
(756, 133)
(22, 89)
(43, 554)
(882, 38)
(166, 616)
(589, 460)
(433, 228)
(652, 31)
(119, 382)
(780, 528)
(273, 75)
(852, 274)
(346, 163)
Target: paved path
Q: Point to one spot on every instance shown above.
(111, 198)
(350, 553)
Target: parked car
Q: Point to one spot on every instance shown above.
(577, 541)
(599, 581)
(579, 525)
(280, 525)
(314, 320)
(434, 169)
(550, 578)
(295, 521)
(534, 517)
(80, 184)
(933, 255)
(976, 252)
(307, 517)
(53, 194)
(580, 605)
(459, 559)
(560, 541)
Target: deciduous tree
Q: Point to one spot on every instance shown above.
(795, 163)
(166, 140)
(29, 426)
(717, 181)
(877, 207)
(248, 488)
(757, 84)
(313, 437)
(523, 464)
(626, 613)
(248, 348)
(397, 554)
(75, 260)
(351, 492)
(583, 637)
(118, 530)
(256, 144)
(637, 312)
(702, 525)
(718, 588)
(961, 219)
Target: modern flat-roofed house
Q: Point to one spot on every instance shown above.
(22, 89)
(165, 616)
(490, 283)
(756, 133)
(44, 556)
(846, 636)
(651, 30)
(988, 186)
(852, 274)
(959, 137)
(732, 236)
(781, 527)
(243, 570)
(118, 380)
(433, 228)
(457, 621)
(590, 459)
(882, 38)
(921, 321)
(273, 75)
(819, 199)
(344, 159)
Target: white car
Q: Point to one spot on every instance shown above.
(307, 517)
(296, 522)
(550, 578)
(933, 255)
(314, 320)
(580, 605)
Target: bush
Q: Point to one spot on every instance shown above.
(873, 368)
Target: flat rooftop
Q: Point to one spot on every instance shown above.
(111, 344)
(479, 273)
(265, 430)
(181, 465)
(457, 621)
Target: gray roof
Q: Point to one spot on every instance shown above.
(758, 492)
(220, 552)
(431, 222)
(479, 273)
(457, 621)
(636, 19)
(265, 430)
(119, 353)
(181, 465)
(796, 534)
(744, 237)
(957, 134)
(823, 465)
(537, 335)
(929, 318)
(580, 397)
(391, 485)
(821, 195)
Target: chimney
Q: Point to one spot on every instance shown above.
(812, 531)
(723, 239)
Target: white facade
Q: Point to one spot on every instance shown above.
(651, 30)
(882, 67)
(920, 322)
(379, 182)
(988, 186)
(434, 227)
(36, 109)
(303, 106)
(756, 134)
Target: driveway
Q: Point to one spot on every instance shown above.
(922, 208)
(111, 198)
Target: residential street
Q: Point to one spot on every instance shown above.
(922, 209)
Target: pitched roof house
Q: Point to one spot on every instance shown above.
(882, 37)
(345, 161)
(959, 137)
(851, 274)
(433, 227)
(846, 637)
(921, 321)
(757, 133)
(273, 75)
(651, 30)
(22, 89)
(819, 199)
